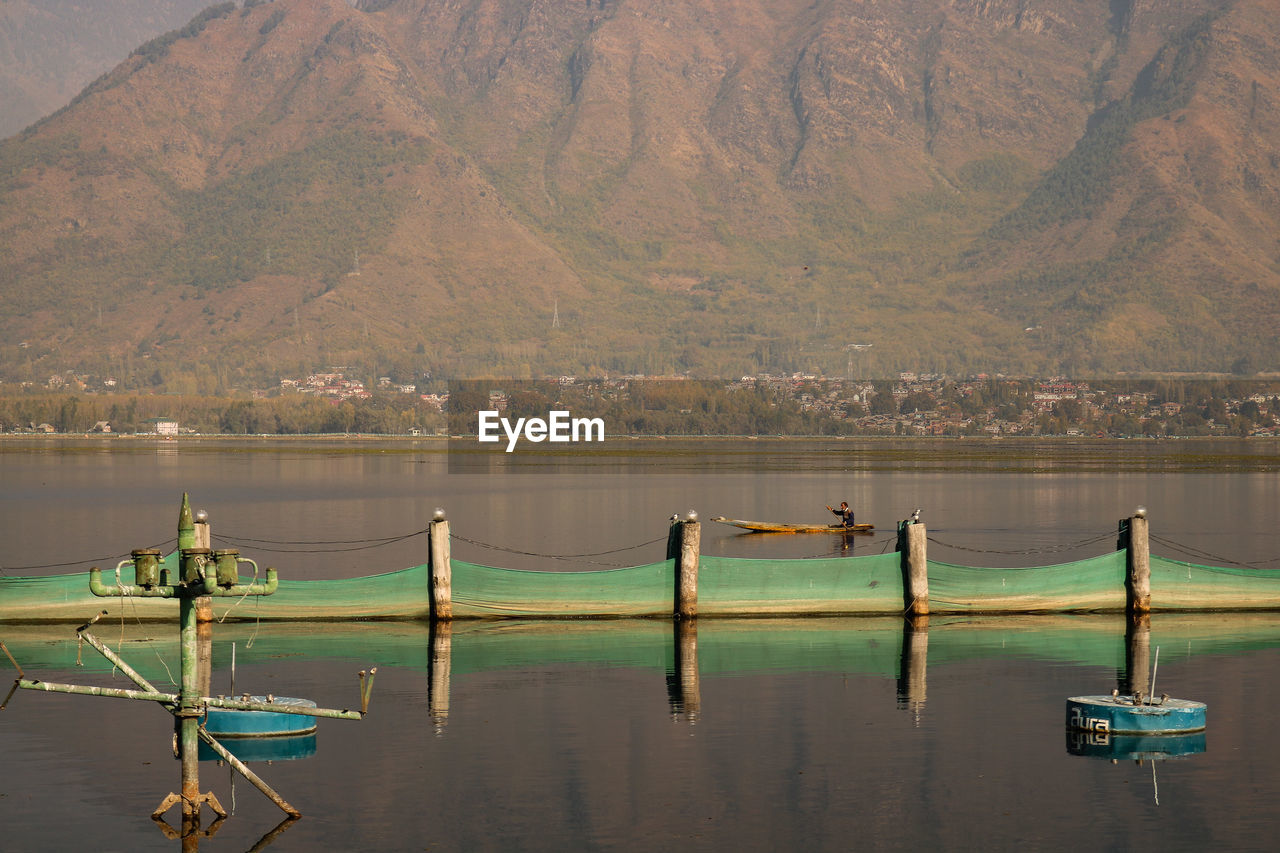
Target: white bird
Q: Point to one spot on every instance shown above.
(915, 516)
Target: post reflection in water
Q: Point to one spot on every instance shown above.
(912, 678)
(439, 666)
(1137, 656)
(684, 692)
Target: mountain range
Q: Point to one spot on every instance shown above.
(523, 188)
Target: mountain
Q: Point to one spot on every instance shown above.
(51, 49)
(513, 188)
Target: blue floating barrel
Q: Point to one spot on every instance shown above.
(1130, 715)
(230, 723)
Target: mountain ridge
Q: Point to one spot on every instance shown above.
(505, 187)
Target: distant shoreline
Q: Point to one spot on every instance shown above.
(444, 439)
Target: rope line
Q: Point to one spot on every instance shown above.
(1205, 555)
(377, 541)
(165, 544)
(1025, 551)
(372, 543)
(556, 556)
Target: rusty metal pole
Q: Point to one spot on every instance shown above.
(189, 709)
(204, 613)
(188, 713)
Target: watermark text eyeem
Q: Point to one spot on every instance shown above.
(558, 427)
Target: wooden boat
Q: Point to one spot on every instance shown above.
(778, 527)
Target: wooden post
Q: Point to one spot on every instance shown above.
(915, 567)
(441, 570)
(685, 543)
(1137, 564)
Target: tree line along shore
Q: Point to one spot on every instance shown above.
(910, 405)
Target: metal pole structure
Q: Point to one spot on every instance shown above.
(189, 709)
(200, 576)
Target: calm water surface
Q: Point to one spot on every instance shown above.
(795, 735)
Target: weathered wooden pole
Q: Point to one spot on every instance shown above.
(441, 570)
(912, 540)
(1134, 537)
(683, 544)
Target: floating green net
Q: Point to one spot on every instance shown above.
(487, 591)
(1176, 585)
(734, 586)
(727, 586)
(1093, 584)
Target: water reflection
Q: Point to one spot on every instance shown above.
(1139, 748)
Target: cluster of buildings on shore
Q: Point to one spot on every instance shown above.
(931, 404)
(911, 404)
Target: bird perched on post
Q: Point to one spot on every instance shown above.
(915, 516)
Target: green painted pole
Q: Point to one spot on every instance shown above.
(189, 708)
(186, 525)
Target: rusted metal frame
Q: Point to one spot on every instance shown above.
(116, 661)
(244, 771)
(209, 586)
(366, 689)
(17, 682)
(301, 710)
(110, 692)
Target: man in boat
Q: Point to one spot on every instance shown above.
(844, 514)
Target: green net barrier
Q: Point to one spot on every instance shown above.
(1093, 584)
(402, 594)
(480, 591)
(728, 586)
(735, 586)
(1177, 585)
(66, 598)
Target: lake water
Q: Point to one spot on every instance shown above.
(764, 735)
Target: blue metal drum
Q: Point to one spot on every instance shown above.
(1134, 715)
(227, 723)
